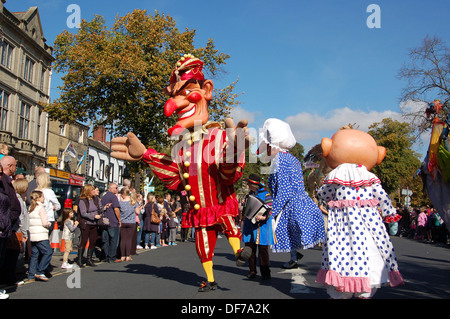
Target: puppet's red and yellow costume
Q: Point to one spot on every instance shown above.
(205, 162)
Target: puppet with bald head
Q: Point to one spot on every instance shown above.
(206, 162)
(358, 255)
(352, 146)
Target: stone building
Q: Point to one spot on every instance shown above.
(25, 76)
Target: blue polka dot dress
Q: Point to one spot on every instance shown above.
(299, 220)
(358, 254)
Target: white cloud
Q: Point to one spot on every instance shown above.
(411, 106)
(238, 113)
(310, 128)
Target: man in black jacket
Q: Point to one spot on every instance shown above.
(8, 165)
(9, 206)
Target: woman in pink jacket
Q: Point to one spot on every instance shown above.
(421, 224)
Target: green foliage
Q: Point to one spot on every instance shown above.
(298, 151)
(401, 162)
(117, 75)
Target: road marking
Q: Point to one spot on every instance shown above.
(299, 283)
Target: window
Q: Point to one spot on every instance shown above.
(111, 172)
(41, 86)
(62, 129)
(119, 178)
(6, 58)
(28, 69)
(101, 171)
(38, 128)
(4, 101)
(91, 166)
(24, 120)
(80, 136)
(61, 159)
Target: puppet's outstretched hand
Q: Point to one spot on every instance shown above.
(239, 134)
(128, 148)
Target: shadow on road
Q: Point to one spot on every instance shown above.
(165, 272)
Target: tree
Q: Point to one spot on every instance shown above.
(116, 76)
(298, 151)
(401, 162)
(315, 175)
(428, 78)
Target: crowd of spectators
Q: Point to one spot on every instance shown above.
(119, 223)
(112, 226)
(421, 223)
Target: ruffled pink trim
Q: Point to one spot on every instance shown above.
(208, 216)
(360, 183)
(352, 203)
(395, 278)
(343, 284)
(353, 284)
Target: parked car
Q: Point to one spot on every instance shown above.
(67, 194)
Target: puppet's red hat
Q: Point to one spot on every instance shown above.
(188, 67)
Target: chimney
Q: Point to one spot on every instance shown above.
(99, 134)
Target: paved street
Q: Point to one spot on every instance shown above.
(174, 272)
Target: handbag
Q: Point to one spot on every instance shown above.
(103, 221)
(15, 241)
(155, 219)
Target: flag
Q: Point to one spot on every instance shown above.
(82, 159)
(70, 150)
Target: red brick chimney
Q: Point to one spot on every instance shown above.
(100, 134)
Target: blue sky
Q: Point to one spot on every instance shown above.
(314, 64)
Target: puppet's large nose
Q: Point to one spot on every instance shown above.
(170, 107)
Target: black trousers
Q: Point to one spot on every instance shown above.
(263, 258)
(89, 233)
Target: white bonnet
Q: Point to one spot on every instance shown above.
(278, 134)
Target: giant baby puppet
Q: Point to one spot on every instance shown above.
(358, 256)
(206, 162)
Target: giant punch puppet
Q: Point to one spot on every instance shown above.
(206, 161)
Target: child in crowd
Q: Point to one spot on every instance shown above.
(68, 234)
(41, 251)
(148, 228)
(184, 231)
(160, 205)
(259, 235)
(172, 225)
